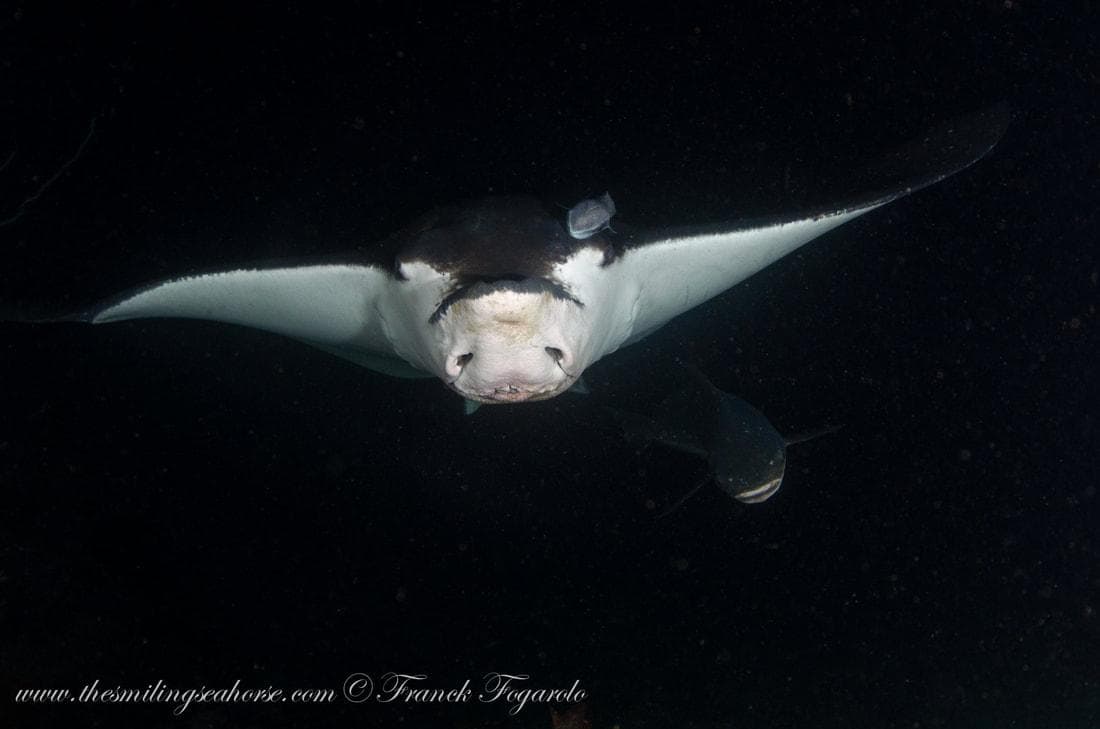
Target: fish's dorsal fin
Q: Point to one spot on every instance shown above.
(699, 376)
(641, 430)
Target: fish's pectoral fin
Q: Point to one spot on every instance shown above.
(683, 499)
(641, 430)
(812, 434)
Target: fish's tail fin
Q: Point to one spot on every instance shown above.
(699, 376)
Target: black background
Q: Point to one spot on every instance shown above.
(198, 503)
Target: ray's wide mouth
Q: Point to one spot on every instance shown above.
(512, 394)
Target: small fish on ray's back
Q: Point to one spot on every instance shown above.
(589, 217)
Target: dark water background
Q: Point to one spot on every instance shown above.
(198, 504)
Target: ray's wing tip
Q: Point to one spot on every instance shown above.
(23, 315)
(944, 150)
(998, 117)
(986, 128)
(967, 139)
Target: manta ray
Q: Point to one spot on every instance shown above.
(506, 302)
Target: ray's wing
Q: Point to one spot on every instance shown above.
(666, 274)
(328, 304)
(357, 312)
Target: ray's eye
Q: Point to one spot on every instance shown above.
(463, 360)
(556, 353)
